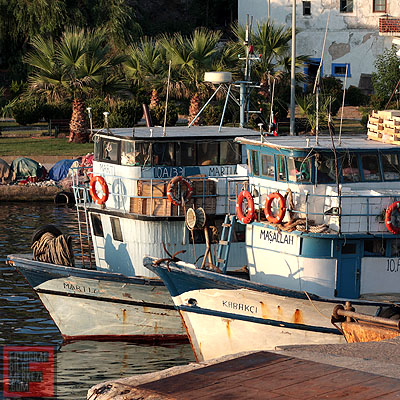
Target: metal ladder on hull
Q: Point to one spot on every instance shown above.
(224, 244)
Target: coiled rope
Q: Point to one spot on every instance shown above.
(54, 250)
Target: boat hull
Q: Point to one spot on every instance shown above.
(93, 305)
(245, 315)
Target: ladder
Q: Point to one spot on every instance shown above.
(225, 242)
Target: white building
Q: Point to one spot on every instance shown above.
(358, 31)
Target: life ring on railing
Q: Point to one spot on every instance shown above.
(250, 214)
(268, 208)
(172, 197)
(93, 192)
(388, 218)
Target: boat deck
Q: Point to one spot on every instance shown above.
(261, 375)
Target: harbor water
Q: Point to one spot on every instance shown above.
(25, 322)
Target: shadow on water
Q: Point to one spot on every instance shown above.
(25, 322)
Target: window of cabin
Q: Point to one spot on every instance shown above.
(299, 169)
(281, 168)
(135, 153)
(255, 166)
(109, 151)
(207, 153)
(326, 172)
(375, 247)
(268, 165)
(391, 167)
(128, 153)
(371, 167)
(350, 168)
(379, 5)
(346, 6)
(395, 248)
(97, 225)
(116, 229)
(163, 153)
(306, 7)
(187, 152)
(340, 70)
(229, 153)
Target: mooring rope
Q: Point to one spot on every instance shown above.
(54, 250)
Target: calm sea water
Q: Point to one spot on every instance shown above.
(25, 322)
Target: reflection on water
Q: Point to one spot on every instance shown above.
(24, 321)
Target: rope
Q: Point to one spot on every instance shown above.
(54, 250)
(319, 312)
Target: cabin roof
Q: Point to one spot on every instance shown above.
(179, 132)
(324, 143)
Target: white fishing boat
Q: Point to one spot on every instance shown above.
(322, 228)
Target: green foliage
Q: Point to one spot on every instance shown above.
(125, 114)
(212, 114)
(56, 111)
(355, 97)
(332, 88)
(98, 106)
(26, 111)
(157, 114)
(308, 110)
(387, 74)
(365, 112)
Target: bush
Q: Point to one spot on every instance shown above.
(332, 87)
(98, 106)
(355, 97)
(157, 114)
(26, 112)
(56, 111)
(212, 114)
(125, 114)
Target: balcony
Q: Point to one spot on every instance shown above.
(389, 26)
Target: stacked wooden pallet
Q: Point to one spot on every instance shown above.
(384, 126)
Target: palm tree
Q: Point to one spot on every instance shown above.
(77, 64)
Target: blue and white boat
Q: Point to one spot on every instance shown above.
(133, 207)
(322, 227)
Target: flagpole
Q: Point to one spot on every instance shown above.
(292, 72)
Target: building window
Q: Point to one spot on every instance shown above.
(340, 70)
(379, 5)
(306, 7)
(346, 6)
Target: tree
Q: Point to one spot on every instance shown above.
(387, 74)
(76, 65)
(308, 109)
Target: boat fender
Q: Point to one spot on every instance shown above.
(247, 217)
(268, 208)
(45, 229)
(63, 198)
(92, 189)
(388, 218)
(172, 197)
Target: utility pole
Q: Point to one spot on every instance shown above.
(292, 72)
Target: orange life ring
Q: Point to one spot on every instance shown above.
(268, 208)
(172, 197)
(388, 218)
(93, 192)
(250, 214)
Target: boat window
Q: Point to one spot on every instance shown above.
(375, 247)
(116, 229)
(207, 153)
(349, 248)
(109, 151)
(128, 153)
(230, 153)
(391, 168)
(97, 225)
(163, 153)
(135, 153)
(371, 168)
(299, 169)
(350, 168)
(187, 152)
(97, 150)
(281, 168)
(268, 165)
(395, 248)
(326, 168)
(255, 166)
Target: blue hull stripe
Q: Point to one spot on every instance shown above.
(261, 321)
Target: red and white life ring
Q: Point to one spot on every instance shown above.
(388, 218)
(268, 208)
(250, 213)
(172, 196)
(93, 192)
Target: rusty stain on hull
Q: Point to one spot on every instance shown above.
(228, 329)
(264, 310)
(124, 316)
(298, 317)
(280, 313)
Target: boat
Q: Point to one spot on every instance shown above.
(142, 184)
(321, 228)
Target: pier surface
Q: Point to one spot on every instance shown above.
(351, 371)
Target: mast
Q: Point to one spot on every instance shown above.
(292, 72)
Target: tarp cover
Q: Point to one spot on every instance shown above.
(60, 170)
(23, 167)
(4, 170)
